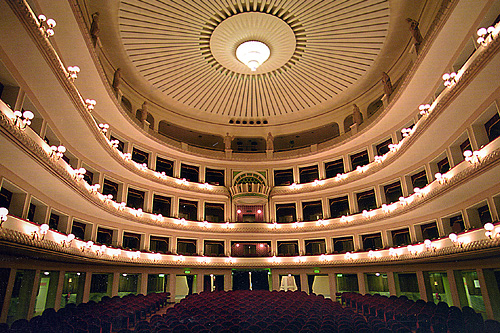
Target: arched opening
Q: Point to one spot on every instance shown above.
(348, 122)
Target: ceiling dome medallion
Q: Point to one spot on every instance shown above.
(252, 28)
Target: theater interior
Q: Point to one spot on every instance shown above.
(175, 158)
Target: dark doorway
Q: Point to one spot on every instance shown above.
(213, 283)
(251, 279)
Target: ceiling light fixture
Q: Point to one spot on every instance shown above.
(253, 54)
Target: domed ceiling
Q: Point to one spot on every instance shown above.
(185, 50)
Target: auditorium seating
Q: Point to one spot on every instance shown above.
(399, 314)
(258, 311)
(107, 316)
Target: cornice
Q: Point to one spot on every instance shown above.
(21, 239)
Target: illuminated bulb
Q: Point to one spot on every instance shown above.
(90, 104)
(104, 127)
(253, 54)
(73, 72)
(449, 78)
(3, 215)
(489, 226)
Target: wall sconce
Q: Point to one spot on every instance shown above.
(115, 253)
(472, 157)
(78, 173)
(449, 79)
(393, 252)
(441, 178)
(321, 222)
(87, 246)
(95, 188)
(412, 249)
(454, 239)
(428, 245)
(23, 119)
(417, 191)
(138, 212)
(3, 215)
(346, 219)
(104, 128)
(424, 109)
(46, 26)
(362, 168)
(340, 176)
(136, 255)
(67, 242)
(393, 147)
(230, 260)
(101, 250)
(121, 206)
(73, 72)
(483, 34)
(371, 254)
(156, 257)
(90, 103)
(108, 198)
(114, 143)
(489, 230)
(406, 132)
(57, 152)
(179, 258)
(41, 232)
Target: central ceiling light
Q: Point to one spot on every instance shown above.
(253, 53)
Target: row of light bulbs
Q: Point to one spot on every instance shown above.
(101, 250)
